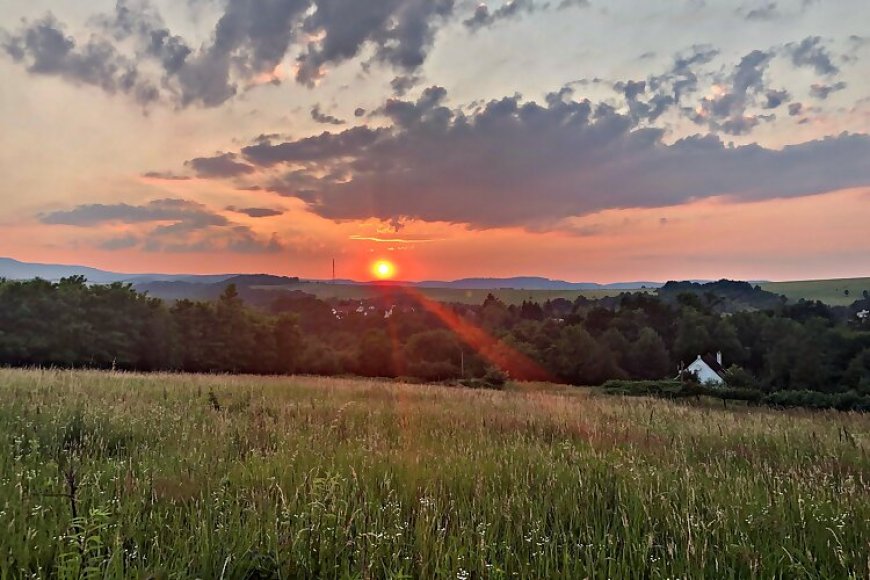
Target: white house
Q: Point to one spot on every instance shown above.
(708, 369)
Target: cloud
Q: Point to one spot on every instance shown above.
(726, 109)
(482, 17)
(323, 118)
(822, 92)
(323, 146)
(165, 176)
(177, 210)
(249, 42)
(404, 83)
(775, 98)
(44, 49)
(221, 165)
(170, 225)
(812, 54)
(765, 11)
(401, 32)
(523, 163)
(256, 212)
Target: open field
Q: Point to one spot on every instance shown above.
(244, 477)
(325, 291)
(831, 292)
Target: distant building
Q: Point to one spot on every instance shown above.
(708, 368)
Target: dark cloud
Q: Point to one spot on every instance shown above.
(404, 83)
(44, 49)
(323, 146)
(359, 112)
(795, 109)
(811, 53)
(119, 243)
(682, 79)
(165, 176)
(178, 210)
(775, 98)
(177, 225)
(249, 41)
(765, 11)
(727, 110)
(221, 165)
(822, 92)
(256, 212)
(400, 31)
(482, 17)
(324, 118)
(521, 163)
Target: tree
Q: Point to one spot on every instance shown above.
(648, 357)
(376, 355)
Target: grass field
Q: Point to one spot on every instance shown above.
(325, 291)
(831, 292)
(175, 476)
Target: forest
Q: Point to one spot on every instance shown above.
(767, 344)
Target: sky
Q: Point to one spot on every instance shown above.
(584, 140)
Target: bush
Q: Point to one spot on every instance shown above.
(848, 401)
(664, 389)
(494, 378)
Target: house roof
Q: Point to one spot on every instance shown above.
(710, 360)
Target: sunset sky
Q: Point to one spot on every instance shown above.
(581, 140)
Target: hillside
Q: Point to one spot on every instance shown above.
(836, 292)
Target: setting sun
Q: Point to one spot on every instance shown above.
(383, 269)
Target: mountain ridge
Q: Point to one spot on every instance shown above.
(17, 270)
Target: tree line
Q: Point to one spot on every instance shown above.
(636, 336)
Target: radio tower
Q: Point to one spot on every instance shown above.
(333, 270)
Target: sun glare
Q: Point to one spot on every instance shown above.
(383, 269)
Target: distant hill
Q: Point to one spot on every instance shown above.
(16, 270)
(471, 290)
(531, 283)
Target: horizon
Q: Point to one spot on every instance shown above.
(401, 281)
(451, 138)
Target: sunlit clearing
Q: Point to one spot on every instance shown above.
(383, 270)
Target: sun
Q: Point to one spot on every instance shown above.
(383, 269)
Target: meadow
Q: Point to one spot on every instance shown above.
(836, 292)
(115, 475)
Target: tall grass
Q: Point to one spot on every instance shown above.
(120, 475)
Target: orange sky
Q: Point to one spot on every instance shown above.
(708, 239)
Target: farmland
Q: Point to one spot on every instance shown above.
(239, 477)
(836, 292)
